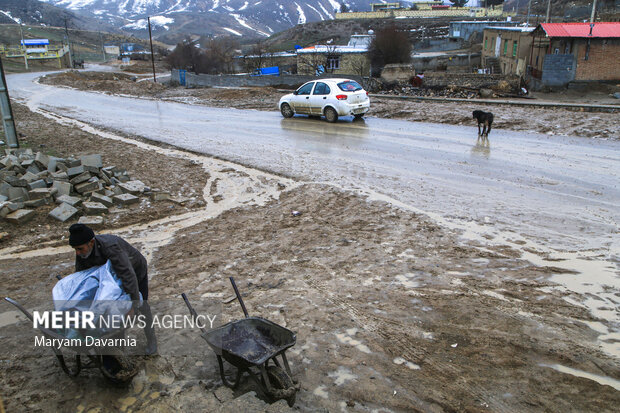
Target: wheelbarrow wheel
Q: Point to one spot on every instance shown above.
(118, 369)
(280, 380)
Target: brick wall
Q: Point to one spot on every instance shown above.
(603, 60)
(558, 69)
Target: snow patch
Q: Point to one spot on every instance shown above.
(236, 33)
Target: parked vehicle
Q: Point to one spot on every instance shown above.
(267, 71)
(326, 97)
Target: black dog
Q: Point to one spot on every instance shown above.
(486, 120)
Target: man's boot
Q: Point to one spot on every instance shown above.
(149, 331)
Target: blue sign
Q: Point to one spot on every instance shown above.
(182, 77)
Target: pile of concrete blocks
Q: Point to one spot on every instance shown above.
(80, 187)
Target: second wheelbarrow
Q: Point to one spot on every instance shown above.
(250, 344)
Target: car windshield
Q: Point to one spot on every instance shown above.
(349, 86)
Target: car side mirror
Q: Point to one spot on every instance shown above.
(295, 93)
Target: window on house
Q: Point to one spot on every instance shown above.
(333, 62)
(505, 47)
(485, 43)
(514, 48)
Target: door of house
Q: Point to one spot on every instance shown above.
(498, 44)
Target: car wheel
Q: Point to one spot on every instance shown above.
(359, 116)
(286, 110)
(331, 115)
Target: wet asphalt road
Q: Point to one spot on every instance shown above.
(561, 191)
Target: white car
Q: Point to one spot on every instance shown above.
(326, 97)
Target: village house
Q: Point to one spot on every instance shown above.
(566, 52)
(38, 53)
(506, 50)
(350, 59)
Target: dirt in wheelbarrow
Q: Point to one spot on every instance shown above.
(392, 311)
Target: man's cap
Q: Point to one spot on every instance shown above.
(80, 234)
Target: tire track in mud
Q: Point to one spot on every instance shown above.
(400, 342)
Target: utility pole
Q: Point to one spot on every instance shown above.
(529, 8)
(24, 47)
(548, 11)
(152, 55)
(7, 112)
(69, 44)
(102, 46)
(593, 12)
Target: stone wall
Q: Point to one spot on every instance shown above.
(558, 69)
(473, 80)
(285, 81)
(477, 12)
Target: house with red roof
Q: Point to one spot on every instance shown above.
(566, 52)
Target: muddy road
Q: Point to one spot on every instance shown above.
(424, 273)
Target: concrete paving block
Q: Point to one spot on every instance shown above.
(4, 209)
(4, 188)
(104, 177)
(63, 212)
(3, 198)
(35, 203)
(29, 177)
(75, 171)
(67, 199)
(37, 184)
(60, 176)
(17, 192)
(105, 200)
(92, 169)
(43, 174)
(20, 216)
(15, 181)
(134, 187)
(72, 162)
(61, 166)
(88, 186)
(94, 208)
(39, 193)
(160, 196)
(126, 199)
(42, 159)
(94, 221)
(78, 179)
(27, 163)
(63, 188)
(33, 169)
(92, 160)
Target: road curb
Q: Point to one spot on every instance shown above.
(584, 107)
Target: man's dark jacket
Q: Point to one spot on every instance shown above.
(127, 262)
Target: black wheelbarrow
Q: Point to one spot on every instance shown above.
(251, 344)
(119, 369)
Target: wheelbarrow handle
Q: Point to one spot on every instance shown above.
(191, 310)
(232, 281)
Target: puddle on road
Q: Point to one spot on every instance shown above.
(604, 380)
(596, 281)
(232, 182)
(401, 361)
(342, 375)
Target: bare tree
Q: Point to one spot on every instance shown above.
(360, 66)
(219, 54)
(390, 45)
